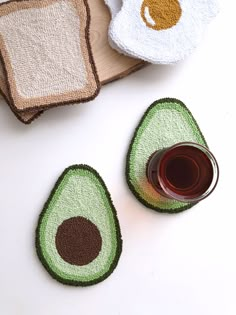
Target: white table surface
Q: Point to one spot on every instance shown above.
(182, 264)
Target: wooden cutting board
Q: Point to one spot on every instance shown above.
(110, 64)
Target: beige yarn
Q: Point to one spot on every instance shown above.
(45, 49)
(23, 117)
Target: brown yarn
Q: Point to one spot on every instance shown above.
(78, 241)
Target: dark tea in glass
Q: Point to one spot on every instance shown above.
(186, 171)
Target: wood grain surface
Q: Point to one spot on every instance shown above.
(110, 64)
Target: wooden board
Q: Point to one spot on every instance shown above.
(110, 64)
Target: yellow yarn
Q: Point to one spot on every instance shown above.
(164, 13)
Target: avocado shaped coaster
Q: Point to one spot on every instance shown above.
(165, 123)
(78, 238)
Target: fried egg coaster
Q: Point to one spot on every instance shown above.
(46, 53)
(160, 31)
(25, 118)
(78, 237)
(165, 123)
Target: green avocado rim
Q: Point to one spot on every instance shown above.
(117, 228)
(127, 167)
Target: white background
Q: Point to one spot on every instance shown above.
(182, 264)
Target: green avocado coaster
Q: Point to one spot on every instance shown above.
(166, 122)
(78, 238)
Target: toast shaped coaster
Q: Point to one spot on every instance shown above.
(161, 32)
(25, 118)
(165, 123)
(78, 238)
(47, 54)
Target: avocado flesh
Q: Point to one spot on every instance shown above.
(165, 123)
(79, 193)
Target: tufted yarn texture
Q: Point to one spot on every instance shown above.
(25, 118)
(160, 32)
(165, 123)
(46, 52)
(78, 238)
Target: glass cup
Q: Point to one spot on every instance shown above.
(186, 172)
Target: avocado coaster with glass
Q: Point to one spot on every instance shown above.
(169, 166)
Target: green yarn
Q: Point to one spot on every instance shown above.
(79, 191)
(165, 123)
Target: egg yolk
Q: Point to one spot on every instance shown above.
(161, 14)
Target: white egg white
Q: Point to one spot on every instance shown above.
(131, 34)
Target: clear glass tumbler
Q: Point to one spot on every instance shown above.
(186, 171)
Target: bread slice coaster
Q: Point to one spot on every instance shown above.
(110, 64)
(78, 238)
(160, 32)
(47, 54)
(165, 123)
(25, 118)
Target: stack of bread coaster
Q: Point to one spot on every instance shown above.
(55, 52)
